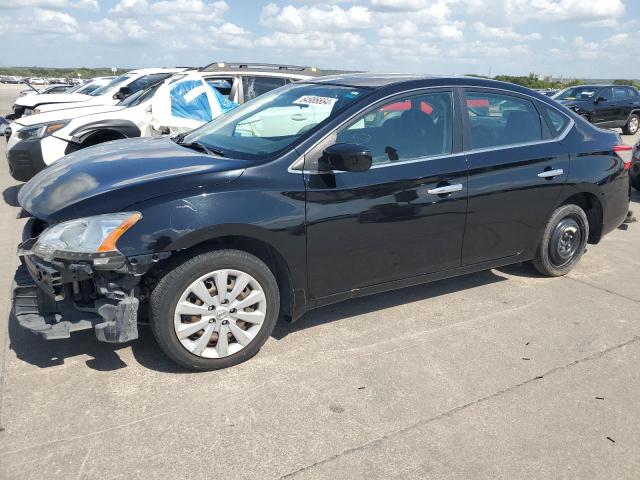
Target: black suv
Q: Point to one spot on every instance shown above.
(316, 192)
(609, 106)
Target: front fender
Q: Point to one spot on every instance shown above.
(273, 215)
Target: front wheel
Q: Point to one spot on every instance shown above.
(215, 310)
(564, 241)
(631, 127)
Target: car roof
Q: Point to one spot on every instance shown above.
(598, 85)
(148, 71)
(381, 80)
(274, 68)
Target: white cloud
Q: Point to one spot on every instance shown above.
(399, 5)
(313, 44)
(315, 18)
(503, 33)
(174, 11)
(118, 31)
(565, 10)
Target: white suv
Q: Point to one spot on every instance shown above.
(108, 94)
(178, 104)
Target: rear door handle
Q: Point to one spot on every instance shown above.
(446, 189)
(551, 173)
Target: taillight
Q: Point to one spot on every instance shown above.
(625, 152)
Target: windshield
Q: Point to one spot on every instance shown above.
(575, 93)
(76, 88)
(140, 96)
(104, 89)
(273, 121)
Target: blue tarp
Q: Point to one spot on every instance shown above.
(196, 108)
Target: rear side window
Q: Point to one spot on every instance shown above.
(406, 129)
(620, 93)
(498, 120)
(557, 121)
(255, 86)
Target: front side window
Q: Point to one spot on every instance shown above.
(404, 129)
(498, 120)
(255, 86)
(275, 120)
(605, 94)
(222, 85)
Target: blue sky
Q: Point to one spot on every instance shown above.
(581, 38)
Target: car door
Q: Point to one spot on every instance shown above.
(604, 108)
(185, 104)
(402, 218)
(517, 171)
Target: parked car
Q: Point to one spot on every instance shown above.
(634, 171)
(373, 182)
(610, 106)
(109, 94)
(36, 141)
(53, 88)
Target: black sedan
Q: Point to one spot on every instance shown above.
(314, 193)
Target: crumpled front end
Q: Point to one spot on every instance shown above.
(57, 297)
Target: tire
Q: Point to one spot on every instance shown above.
(179, 284)
(563, 242)
(634, 180)
(631, 127)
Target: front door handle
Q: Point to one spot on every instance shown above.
(551, 173)
(446, 189)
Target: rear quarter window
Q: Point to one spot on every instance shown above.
(557, 121)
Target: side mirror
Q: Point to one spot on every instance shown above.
(346, 157)
(600, 99)
(123, 93)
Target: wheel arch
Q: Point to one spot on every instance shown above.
(292, 304)
(592, 206)
(123, 128)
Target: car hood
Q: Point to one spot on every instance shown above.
(35, 99)
(115, 175)
(67, 114)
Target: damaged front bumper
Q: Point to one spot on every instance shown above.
(56, 298)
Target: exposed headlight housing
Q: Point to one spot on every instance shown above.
(90, 238)
(40, 130)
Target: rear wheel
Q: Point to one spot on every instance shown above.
(632, 125)
(564, 241)
(215, 310)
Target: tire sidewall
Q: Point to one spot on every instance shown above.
(168, 291)
(543, 260)
(627, 129)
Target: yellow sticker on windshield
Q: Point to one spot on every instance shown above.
(315, 100)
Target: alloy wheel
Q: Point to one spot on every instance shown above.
(634, 123)
(220, 313)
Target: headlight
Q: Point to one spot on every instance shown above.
(40, 130)
(88, 237)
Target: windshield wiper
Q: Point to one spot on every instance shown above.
(202, 148)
